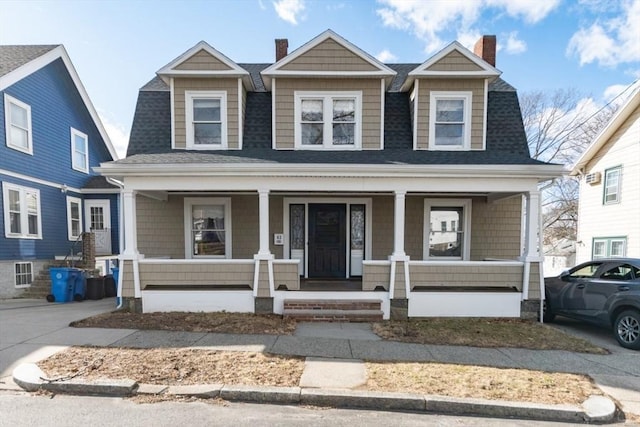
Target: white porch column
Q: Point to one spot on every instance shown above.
(263, 197)
(130, 224)
(398, 224)
(532, 245)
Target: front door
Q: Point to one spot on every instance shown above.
(327, 240)
(98, 219)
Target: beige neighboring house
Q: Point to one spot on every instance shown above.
(609, 171)
(328, 177)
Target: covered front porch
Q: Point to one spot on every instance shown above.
(466, 247)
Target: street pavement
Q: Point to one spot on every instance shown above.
(31, 330)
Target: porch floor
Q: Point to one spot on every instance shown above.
(331, 285)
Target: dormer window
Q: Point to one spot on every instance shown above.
(450, 121)
(328, 120)
(206, 126)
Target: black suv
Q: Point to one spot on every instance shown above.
(602, 291)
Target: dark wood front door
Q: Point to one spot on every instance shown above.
(327, 240)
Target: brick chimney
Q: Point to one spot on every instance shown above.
(281, 48)
(485, 48)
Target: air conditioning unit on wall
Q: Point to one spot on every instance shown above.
(592, 178)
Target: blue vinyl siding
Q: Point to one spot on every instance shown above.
(56, 107)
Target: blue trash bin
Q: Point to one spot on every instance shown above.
(80, 286)
(115, 271)
(62, 284)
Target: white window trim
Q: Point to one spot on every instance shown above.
(465, 204)
(618, 186)
(467, 97)
(24, 226)
(71, 200)
(74, 133)
(327, 95)
(188, 204)
(8, 100)
(15, 275)
(189, 96)
(608, 244)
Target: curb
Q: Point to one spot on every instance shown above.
(596, 409)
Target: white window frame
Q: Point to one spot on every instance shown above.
(327, 99)
(24, 217)
(8, 100)
(465, 204)
(74, 133)
(608, 244)
(618, 187)
(189, 97)
(70, 201)
(16, 274)
(188, 208)
(465, 96)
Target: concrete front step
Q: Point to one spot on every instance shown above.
(334, 315)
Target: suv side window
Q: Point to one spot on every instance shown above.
(586, 272)
(618, 272)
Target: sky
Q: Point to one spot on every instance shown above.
(116, 46)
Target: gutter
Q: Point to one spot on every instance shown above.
(120, 185)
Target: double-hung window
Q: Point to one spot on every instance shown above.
(205, 117)
(328, 120)
(612, 178)
(23, 276)
(207, 227)
(442, 242)
(609, 247)
(22, 218)
(450, 121)
(74, 218)
(79, 151)
(17, 118)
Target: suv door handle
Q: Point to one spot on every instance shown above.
(580, 286)
(623, 288)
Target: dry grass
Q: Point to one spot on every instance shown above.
(483, 332)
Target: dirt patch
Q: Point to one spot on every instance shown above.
(480, 382)
(225, 323)
(482, 332)
(174, 366)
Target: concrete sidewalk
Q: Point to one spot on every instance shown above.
(31, 331)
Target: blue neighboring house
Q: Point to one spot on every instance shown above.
(50, 139)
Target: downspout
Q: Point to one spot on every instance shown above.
(120, 185)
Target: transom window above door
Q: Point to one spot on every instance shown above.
(205, 120)
(328, 120)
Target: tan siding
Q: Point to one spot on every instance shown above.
(400, 290)
(374, 276)
(475, 86)
(619, 219)
(213, 274)
(382, 225)
(263, 279)
(246, 226)
(328, 56)
(128, 286)
(275, 224)
(464, 275)
(371, 96)
(286, 275)
(496, 228)
(534, 281)
(455, 61)
(414, 227)
(160, 227)
(229, 85)
(203, 61)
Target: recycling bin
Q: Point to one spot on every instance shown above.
(109, 286)
(115, 271)
(95, 288)
(80, 286)
(62, 284)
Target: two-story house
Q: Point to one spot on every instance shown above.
(50, 139)
(330, 176)
(609, 203)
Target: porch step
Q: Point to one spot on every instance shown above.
(333, 310)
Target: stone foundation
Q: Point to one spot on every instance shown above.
(134, 305)
(399, 309)
(263, 305)
(530, 309)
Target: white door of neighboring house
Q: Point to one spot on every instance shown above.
(98, 219)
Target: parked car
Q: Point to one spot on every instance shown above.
(602, 291)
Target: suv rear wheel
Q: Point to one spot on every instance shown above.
(626, 329)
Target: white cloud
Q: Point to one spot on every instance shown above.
(386, 56)
(514, 45)
(118, 134)
(613, 91)
(289, 10)
(261, 4)
(609, 42)
(427, 20)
